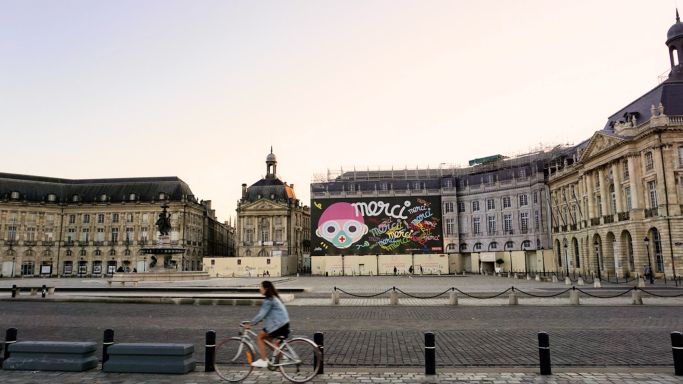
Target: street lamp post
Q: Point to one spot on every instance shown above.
(566, 261)
(144, 264)
(649, 263)
(597, 256)
(13, 262)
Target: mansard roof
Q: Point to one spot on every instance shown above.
(668, 93)
(37, 188)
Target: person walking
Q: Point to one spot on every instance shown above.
(276, 321)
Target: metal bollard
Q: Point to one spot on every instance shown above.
(544, 352)
(14, 290)
(10, 338)
(107, 341)
(318, 338)
(210, 352)
(430, 354)
(677, 349)
(43, 290)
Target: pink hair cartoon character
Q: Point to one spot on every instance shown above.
(341, 225)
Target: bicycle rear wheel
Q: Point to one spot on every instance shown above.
(233, 359)
(300, 360)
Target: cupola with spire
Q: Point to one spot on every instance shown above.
(271, 161)
(674, 40)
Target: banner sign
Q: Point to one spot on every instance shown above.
(379, 225)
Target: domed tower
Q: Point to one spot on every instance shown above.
(674, 40)
(271, 161)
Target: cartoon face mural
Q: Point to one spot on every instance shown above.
(341, 225)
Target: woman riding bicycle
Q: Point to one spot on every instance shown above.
(276, 321)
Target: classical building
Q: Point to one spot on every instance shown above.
(51, 226)
(618, 207)
(272, 225)
(491, 215)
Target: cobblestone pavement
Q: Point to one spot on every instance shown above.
(496, 336)
(345, 377)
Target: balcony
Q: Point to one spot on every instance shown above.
(573, 227)
(609, 219)
(10, 242)
(508, 232)
(524, 231)
(556, 229)
(595, 221)
(49, 243)
(623, 216)
(651, 212)
(564, 228)
(30, 243)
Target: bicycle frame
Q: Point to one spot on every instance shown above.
(281, 350)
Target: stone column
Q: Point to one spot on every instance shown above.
(657, 163)
(616, 172)
(589, 193)
(634, 182)
(604, 193)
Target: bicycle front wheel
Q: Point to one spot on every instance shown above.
(233, 359)
(300, 360)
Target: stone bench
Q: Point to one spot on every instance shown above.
(150, 358)
(51, 356)
(123, 282)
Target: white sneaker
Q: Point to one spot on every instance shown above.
(260, 363)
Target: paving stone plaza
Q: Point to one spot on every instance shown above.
(369, 340)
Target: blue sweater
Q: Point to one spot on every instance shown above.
(274, 314)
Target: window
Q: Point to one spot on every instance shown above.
(278, 235)
(490, 204)
(627, 194)
(70, 235)
(384, 186)
(72, 219)
(85, 235)
(129, 234)
(115, 218)
(476, 225)
(491, 225)
(477, 247)
(100, 218)
(523, 200)
(419, 185)
(524, 221)
(652, 192)
(11, 233)
(86, 218)
(625, 170)
(598, 202)
(143, 233)
(461, 206)
(522, 173)
(448, 183)
(613, 199)
(249, 235)
(114, 234)
(129, 217)
(475, 206)
(536, 197)
(99, 235)
(450, 226)
(448, 207)
(649, 162)
(507, 223)
(537, 220)
(506, 202)
(493, 245)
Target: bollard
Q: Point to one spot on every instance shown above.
(636, 297)
(538, 277)
(677, 349)
(554, 279)
(574, 297)
(513, 297)
(580, 282)
(10, 338)
(107, 341)
(567, 281)
(430, 354)
(43, 290)
(393, 297)
(210, 351)
(544, 353)
(597, 283)
(14, 290)
(335, 297)
(641, 282)
(452, 298)
(318, 338)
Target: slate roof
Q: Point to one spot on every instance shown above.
(264, 188)
(669, 93)
(37, 188)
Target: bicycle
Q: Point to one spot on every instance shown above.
(298, 358)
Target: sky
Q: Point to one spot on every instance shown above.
(202, 89)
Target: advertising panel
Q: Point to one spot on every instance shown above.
(377, 225)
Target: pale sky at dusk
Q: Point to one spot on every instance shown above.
(202, 89)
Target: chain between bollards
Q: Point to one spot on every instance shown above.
(319, 339)
(10, 338)
(210, 352)
(544, 353)
(430, 354)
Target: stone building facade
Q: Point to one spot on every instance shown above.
(272, 222)
(60, 227)
(618, 208)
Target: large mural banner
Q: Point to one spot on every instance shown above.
(382, 225)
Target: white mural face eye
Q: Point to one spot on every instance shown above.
(330, 229)
(352, 227)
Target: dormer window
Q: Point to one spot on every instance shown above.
(272, 196)
(14, 195)
(162, 196)
(103, 197)
(75, 198)
(132, 197)
(51, 197)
